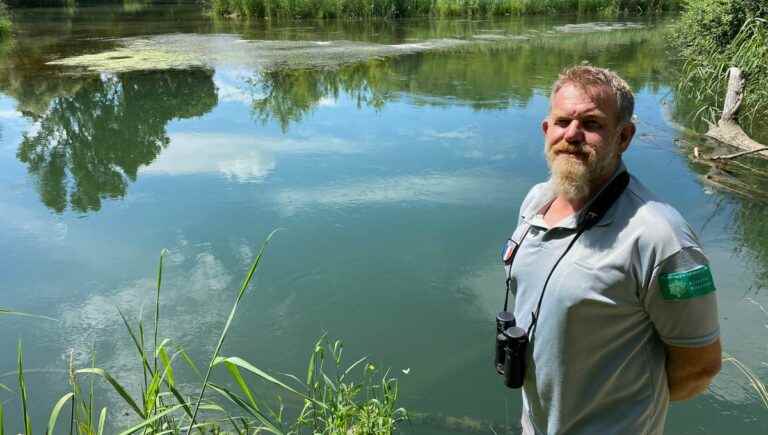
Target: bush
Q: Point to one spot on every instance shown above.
(441, 8)
(5, 21)
(713, 35)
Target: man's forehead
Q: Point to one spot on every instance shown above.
(574, 100)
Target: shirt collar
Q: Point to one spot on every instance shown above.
(534, 213)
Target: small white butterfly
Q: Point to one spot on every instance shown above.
(406, 371)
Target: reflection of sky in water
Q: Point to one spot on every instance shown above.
(392, 215)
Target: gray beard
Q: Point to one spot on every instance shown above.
(576, 181)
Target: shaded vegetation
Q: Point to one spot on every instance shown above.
(713, 35)
(5, 21)
(333, 398)
(441, 8)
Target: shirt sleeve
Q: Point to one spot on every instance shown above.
(681, 300)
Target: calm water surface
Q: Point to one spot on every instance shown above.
(394, 156)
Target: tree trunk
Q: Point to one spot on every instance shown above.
(728, 129)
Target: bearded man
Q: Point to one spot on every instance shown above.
(621, 313)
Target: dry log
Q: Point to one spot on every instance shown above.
(728, 129)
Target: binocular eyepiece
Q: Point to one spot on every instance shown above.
(511, 343)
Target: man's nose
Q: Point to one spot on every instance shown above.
(574, 133)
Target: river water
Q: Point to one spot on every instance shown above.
(392, 155)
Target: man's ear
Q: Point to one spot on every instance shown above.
(545, 125)
(626, 134)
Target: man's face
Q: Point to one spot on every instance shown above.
(583, 140)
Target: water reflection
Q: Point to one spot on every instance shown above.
(483, 77)
(92, 134)
(89, 145)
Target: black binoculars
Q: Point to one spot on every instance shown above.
(511, 343)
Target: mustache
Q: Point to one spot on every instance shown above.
(565, 147)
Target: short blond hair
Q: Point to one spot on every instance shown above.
(599, 83)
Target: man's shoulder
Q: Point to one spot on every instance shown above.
(659, 221)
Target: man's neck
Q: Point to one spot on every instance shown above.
(562, 206)
(560, 209)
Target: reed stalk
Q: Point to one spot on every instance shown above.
(328, 401)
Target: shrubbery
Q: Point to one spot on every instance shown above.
(713, 35)
(440, 8)
(5, 21)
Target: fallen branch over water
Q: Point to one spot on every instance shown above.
(725, 172)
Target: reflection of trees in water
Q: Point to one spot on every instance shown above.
(483, 76)
(90, 144)
(287, 95)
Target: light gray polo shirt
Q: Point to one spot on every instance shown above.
(636, 280)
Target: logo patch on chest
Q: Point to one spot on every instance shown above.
(685, 285)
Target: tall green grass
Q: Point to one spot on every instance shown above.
(713, 35)
(333, 398)
(440, 8)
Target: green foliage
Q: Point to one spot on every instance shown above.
(712, 36)
(5, 21)
(441, 8)
(352, 399)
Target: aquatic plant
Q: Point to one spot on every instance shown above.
(332, 399)
(440, 8)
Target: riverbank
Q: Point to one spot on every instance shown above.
(438, 8)
(714, 35)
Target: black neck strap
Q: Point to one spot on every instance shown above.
(604, 201)
(591, 216)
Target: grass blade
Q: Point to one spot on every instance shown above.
(190, 363)
(224, 332)
(235, 373)
(151, 420)
(2, 420)
(102, 421)
(262, 374)
(157, 298)
(136, 343)
(118, 388)
(56, 410)
(349, 369)
(23, 393)
(9, 312)
(168, 370)
(234, 398)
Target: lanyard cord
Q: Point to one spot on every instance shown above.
(592, 216)
(535, 314)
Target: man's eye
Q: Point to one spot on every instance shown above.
(591, 125)
(563, 123)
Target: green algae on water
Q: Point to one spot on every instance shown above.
(135, 57)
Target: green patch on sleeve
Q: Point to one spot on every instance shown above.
(685, 285)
